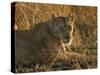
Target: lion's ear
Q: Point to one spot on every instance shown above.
(53, 15)
(71, 18)
(52, 23)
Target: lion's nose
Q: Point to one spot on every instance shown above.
(67, 37)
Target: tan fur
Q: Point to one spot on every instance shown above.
(41, 44)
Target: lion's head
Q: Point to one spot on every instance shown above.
(62, 28)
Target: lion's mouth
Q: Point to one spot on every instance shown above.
(66, 41)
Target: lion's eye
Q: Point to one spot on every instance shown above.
(62, 28)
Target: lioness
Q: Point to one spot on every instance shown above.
(41, 44)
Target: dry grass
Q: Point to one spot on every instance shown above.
(83, 50)
(65, 61)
